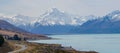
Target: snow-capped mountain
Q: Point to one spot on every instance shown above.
(51, 17)
(56, 17)
(22, 20)
(107, 24)
(114, 16)
(56, 21)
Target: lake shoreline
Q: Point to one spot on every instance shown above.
(45, 48)
(63, 48)
(87, 42)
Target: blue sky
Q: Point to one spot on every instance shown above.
(38, 7)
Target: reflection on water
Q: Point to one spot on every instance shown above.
(103, 43)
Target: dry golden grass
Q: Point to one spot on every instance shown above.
(37, 48)
(12, 43)
(49, 48)
(22, 34)
(5, 32)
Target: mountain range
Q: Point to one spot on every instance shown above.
(109, 23)
(58, 22)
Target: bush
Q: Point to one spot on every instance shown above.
(1, 40)
(16, 37)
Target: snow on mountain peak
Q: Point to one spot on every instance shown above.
(20, 16)
(114, 16)
(116, 12)
(55, 10)
(58, 17)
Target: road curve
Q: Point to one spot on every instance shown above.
(23, 47)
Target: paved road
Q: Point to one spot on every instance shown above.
(23, 47)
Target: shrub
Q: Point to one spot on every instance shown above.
(1, 40)
(16, 37)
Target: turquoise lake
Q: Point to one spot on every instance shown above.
(102, 43)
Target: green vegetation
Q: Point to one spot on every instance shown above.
(1, 40)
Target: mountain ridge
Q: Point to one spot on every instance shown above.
(56, 21)
(107, 24)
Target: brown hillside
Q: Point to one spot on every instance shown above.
(22, 35)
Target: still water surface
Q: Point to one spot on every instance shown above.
(102, 43)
